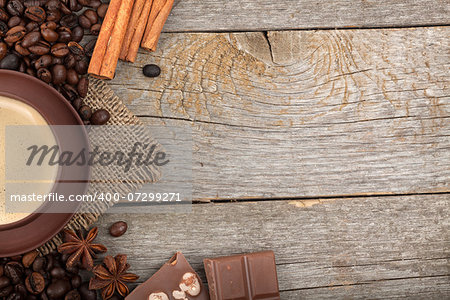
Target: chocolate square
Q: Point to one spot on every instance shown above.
(176, 280)
(243, 277)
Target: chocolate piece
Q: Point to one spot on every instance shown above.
(176, 280)
(248, 276)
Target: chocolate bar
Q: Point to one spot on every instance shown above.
(243, 277)
(176, 280)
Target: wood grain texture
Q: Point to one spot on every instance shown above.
(372, 248)
(258, 15)
(311, 113)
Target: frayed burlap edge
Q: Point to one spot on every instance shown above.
(101, 96)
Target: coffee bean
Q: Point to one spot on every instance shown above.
(70, 61)
(36, 13)
(35, 283)
(77, 104)
(151, 70)
(28, 258)
(59, 74)
(29, 3)
(15, 34)
(70, 21)
(89, 47)
(14, 21)
(65, 34)
(31, 39)
(3, 28)
(72, 295)
(84, 2)
(58, 273)
(6, 291)
(31, 72)
(100, 117)
(64, 8)
(58, 289)
(81, 67)
(49, 35)
(77, 34)
(54, 15)
(43, 62)
(3, 15)
(41, 48)
(39, 264)
(44, 75)
(86, 293)
(95, 29)
(84, 22)
(102, 9)
(4, 282)
(32, 26)
(72, 77)
(69, 92)
(53, 5)
(118, 229)
(59, 50)
(76, 280)
(85, 112)
(15, 7)
(21, 50)
(14, 271)
(3, 50)
(49, 25)
(83, 86)
(91, 15)
(76, 49)
(10, 62)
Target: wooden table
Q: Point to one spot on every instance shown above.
(321, 131)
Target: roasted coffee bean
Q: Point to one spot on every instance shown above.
(86, 293)
(44, 74)
(58, 273)
(76, 49)
(32, 26)
(89, 47)
(102, 9)
(3, 15)
(91, 15)
(28, 258)
(57, 60)
(70, 21)
(85, 112)
(21, 50)
(49, 25)
(15, 7)
(72, 77)
(69, 92)
(31, 39)
(84, 2)
(14, 271)
(4, 292)
(72, 4)
(77, 34)
(64, 8)
(31, 72)
(43, 62)
(59, 75)
(36, 13)
(40, 48)
(151, 70)
(100, 117)
(35, 283)
(13, 21)
(39, 264)
(84, 22)
(118, 229)
(58, 289)
(81, 67)
(70, 61)
(49, 35)
(72, 295)
(76, 280)
(83, 86)
(73, 269)
(4, 282)
(53, 5)
(15, 34)
(3, 52)
(65, 34)
(95, 29)
(10, 62)
(54, 15)
(59, 50)
(76, 104)
(29, 3)
(3, 28)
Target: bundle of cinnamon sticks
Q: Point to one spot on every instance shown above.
(128, 24)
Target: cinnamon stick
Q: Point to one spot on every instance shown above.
(104, 37)
(158, 16)
(135, 30)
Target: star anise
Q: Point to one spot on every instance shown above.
(81, 248)
(112, 276)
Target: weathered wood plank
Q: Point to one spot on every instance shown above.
(380, 247)
(311, 113)
(251, 15)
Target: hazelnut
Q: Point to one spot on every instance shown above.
(190, 284)
(158, 296)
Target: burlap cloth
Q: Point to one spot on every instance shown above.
(101, 96)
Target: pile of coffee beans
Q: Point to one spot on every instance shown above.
(29, 277)
(42, 38)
